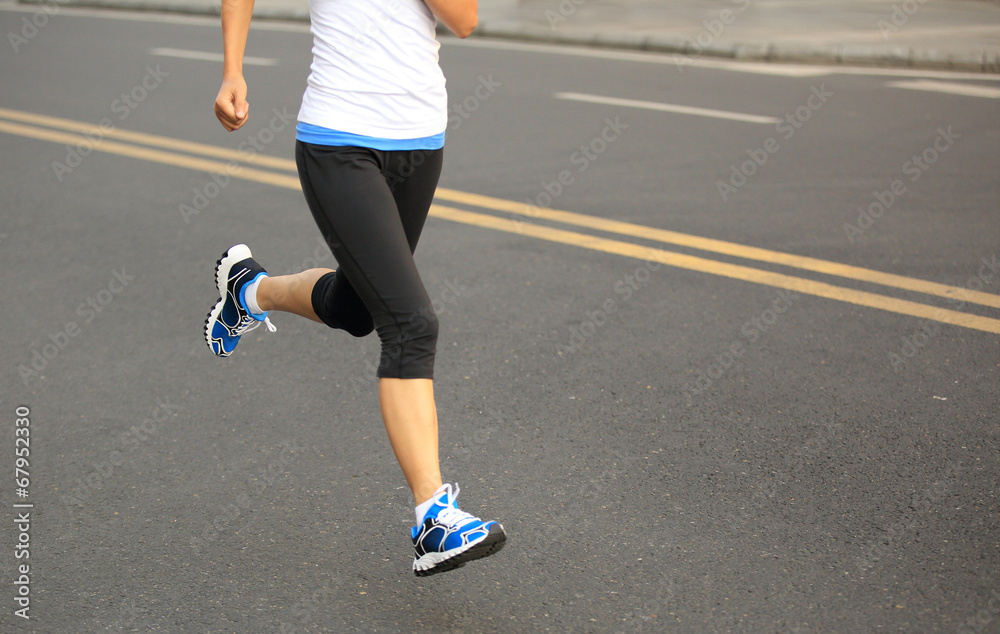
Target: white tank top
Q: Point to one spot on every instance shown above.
(375, 69)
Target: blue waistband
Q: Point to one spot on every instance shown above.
(308, 133)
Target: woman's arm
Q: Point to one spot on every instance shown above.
(231, 105)
(460, 16)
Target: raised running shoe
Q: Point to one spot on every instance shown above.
(449, 537)
(229, 319)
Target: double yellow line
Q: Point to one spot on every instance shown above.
(212, 158)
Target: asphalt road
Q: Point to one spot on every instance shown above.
(671, 446)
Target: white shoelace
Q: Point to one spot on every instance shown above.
(450, 514)
(248, 323)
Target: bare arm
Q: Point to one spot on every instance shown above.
(231, 105)
(460, 16)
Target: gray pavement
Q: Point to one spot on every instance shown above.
(955, 34)
(838, 473)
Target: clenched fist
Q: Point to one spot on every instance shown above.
(231, 107)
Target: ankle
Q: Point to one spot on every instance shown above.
(264, 290)
(425, 492)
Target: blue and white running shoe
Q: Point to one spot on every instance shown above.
(449, 537)
(230, 319)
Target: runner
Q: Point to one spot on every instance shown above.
(369, 148)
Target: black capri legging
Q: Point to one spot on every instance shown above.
(370, 206)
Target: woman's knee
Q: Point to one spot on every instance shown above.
(409, 346)
(338, 306)
(415, 337)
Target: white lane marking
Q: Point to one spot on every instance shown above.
(666, 107)
(209, 57)
(966, 90)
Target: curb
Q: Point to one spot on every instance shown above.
(982, 61)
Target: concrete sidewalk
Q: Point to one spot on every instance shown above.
(943, 34)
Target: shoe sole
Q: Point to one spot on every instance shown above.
(235, 254)
(494, 541)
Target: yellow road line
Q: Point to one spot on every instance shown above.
(213, 151)
(719, 246)
(566, 217)
(627, 249)
(735, 271)
(158, 156)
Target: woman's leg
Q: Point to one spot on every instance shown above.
(408, 407)
(290, 293)
(372, 220)
(410, 418)
(354, 208)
